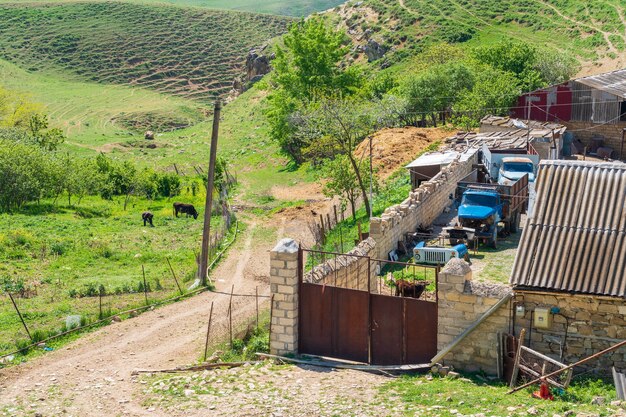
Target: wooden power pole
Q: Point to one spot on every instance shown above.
(206, 232)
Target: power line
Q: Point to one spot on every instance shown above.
(585, 129)
(482, 109)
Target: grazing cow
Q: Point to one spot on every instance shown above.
(147, 218)
(409, 289)
(188, 209)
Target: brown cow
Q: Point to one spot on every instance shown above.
(188, 209)
(409, 289)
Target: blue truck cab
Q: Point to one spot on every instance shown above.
(481, 210)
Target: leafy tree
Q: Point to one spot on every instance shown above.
(434, 91)
(343, 124)
(308, 66)
(306, 69)
(532, 67)
(494, 91)
(48, 139)
(339, 178)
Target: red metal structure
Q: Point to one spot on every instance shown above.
(360, 325)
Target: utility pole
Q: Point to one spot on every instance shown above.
(371, 181)
(206, 231)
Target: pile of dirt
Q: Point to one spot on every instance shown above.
(394, 148)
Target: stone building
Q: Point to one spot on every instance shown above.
(569, 272)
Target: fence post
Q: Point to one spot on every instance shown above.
(20, 314)
(230, 315)
(284, 284)
(174, 275)
(145, 285)
(208, 331)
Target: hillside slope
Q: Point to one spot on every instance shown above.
(187, 52)
(593, 32)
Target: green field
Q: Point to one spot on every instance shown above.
(187, 52)
(60, 255)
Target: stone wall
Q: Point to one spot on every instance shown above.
(584, 131)
(423, 206)
(349, 270)
(585, 324)
(461, 303)
(284, 287)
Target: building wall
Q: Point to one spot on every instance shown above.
(423, 206)
(584, 131)
(585, 325)
(461, 303)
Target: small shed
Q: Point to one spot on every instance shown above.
(430, 164)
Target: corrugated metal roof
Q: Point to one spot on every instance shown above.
(441, 158)
(613, 82)
(575, 240)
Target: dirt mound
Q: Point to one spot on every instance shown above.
(394, 148)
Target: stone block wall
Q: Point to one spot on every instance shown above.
(461, 303)
(612, 133)
(423, 206)
(349, 270)
(284, 288)
(584, 325)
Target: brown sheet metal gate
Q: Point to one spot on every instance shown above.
(360, 326)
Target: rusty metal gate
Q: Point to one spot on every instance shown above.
(359, 324)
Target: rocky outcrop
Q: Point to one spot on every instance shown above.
(257, 64)
(374, 50)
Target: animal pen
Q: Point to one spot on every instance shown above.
(352, 307)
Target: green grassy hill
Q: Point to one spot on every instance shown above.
(187, 52)
(587, 30)
(296, 8)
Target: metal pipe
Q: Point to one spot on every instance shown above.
(580, 362)
(621, 147)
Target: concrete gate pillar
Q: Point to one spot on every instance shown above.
(284, 288)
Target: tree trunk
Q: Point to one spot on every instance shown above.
(352, 206)
(366, 200)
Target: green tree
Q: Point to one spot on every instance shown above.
(494, 92)
(434, 91)
(306, 69)
(339, 179)
(343, 124)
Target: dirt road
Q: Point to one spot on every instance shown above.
(92, 376)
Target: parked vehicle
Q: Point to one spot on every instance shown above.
(485, 206)
(493, 161)
(435, 255)
(514, 168)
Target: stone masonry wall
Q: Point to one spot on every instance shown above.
(284, 288)
(347, 271)
(423, 206)
(584, 131)
(586, 325)
(461, 303)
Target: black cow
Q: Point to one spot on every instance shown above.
(188, 209)
(409, 289)
(147, 218)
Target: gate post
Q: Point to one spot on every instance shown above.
(284, 282)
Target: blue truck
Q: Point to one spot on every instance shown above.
(489, 209)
